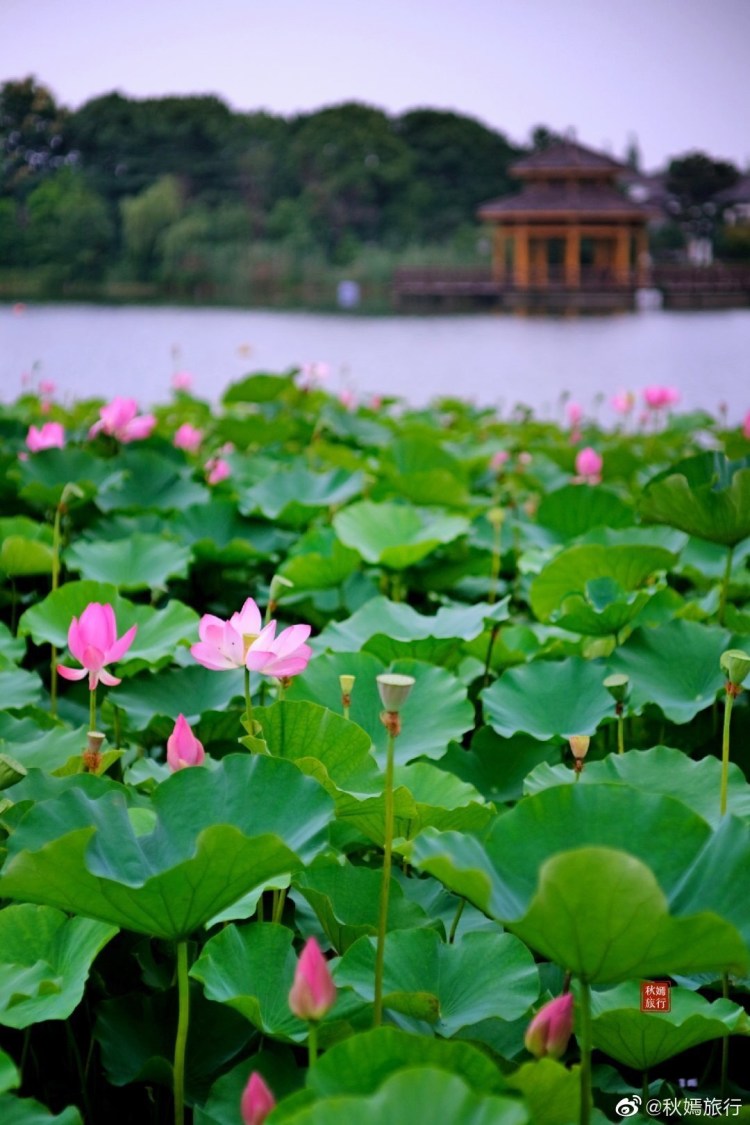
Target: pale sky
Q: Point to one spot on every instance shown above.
(675, 73)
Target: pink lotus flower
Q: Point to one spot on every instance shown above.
(49, 436)
(499, 459)
(347, 400)
(289, 654)
(183, 748)
(121, 420)
(188, 438)
(182, 381)
(589, 466)
(257, 1101)
(376, 402)
(746, 426)
(525, 458)
(551, 1028)
(243, 642)
(93, 642)
(575, 413)
(313, 992)
(623, 402)
(217, 470)
(47, 388)
(656, 398)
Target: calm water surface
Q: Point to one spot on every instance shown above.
(495, 359)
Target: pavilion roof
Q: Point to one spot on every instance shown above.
(566, 157)
(564, 201)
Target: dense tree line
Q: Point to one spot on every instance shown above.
(186, 193)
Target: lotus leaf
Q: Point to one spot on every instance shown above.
(707, 496)
(396, 535)
(548, 698)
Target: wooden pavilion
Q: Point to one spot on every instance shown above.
(570, 236)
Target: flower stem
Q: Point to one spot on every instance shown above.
(729, 701)
(55, 584)
(279, 898)
(183, 1019)
(584, 1042)
(723, 1081)
(725, 585)
(248, 703)
(620, 733)
(312, 1042)
(92, 709)
(386, 883)
(456, 920)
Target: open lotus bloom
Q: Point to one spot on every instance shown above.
(49, 436)
(656, 398)
(188, 437)
(257, 1101)
(93, 641)
(313, 992)
(120, 419)
(551, 1028)
(244, 642)
(183, 748)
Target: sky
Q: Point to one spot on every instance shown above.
(672, 73)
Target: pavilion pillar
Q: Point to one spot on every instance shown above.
(622, 255)
(539, 272)
(498, 254)
(573, 258)
(521, 257)
(641, 257)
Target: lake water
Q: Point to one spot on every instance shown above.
(494, 359)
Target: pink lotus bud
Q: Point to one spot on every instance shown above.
(549, 1031)
(589, 465)
(217, 470)
(188, 438)
(94, 643)
(47, 388)
(525, 458)
(624, 402)
(499, 459)
(49, 436)
(183, 748)
(182, 381)
(746, 426)
(575, 413)
(313, 992)
(346, 398)
(257, 1101)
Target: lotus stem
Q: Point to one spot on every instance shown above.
(312, 1042)
(248, 703)
(456, 920)
(620, 728)
(92, 709)
(724, 1079)
(386, 883)
(725, 585)
(279, 898)
(728, 704)
(183, 1020)
(584, 1042)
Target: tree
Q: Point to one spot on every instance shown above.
(145, 219)
(34, 140)
(695, 179)
(68, 228)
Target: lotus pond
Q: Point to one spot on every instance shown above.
(371, 765)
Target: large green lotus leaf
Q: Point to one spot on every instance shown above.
(19, 688)
(136, 1036)
(571, 571)
(705, 563)
(345, 900)
(45, 959)
(141, 562)
(437, 487)
(322, 743)
(481, 976)
(216, 533)
(675, 666)
(642, 1040)
(551, 1091)
(399, 622)
(261, 387)
(441, 800)
(712, 881)
(659, 770)
(25, 547)
(603, 609)
(576, 508)
(497, 766)
(707, 496)
(9, 1076)
(320, 561)
(22, 527)
(251, 968)
(43, 477)
(12, 649)
(277, 1067)
(146, 480)
(436, 712)
(395, 535)
(548, 698)
(414, 1095)
(159, 631)
(37, 747)
(523, 875)
(204, 840)
(289, 494)
(188, 691)
(25, 1111)
(360, 1064)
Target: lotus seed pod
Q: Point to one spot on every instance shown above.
(495, 517)
(579, 744)
(394, 690)
(735, 664)
(346, 683)
(618, 686)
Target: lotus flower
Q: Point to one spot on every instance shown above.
(313, 992)
(589, 466)
(94, 643)
(746, 426)
(244, 642)
(49, 436)
(121, 420)
(575, 413)
(257, 1101)
(183, 748)
(623, 402)
(217, 469)
(182, 381)
(188, 438)
(656, 398)
(499, 459)
(549, 1031)
(47, 388)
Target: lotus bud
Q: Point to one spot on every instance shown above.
(183, 748)
(618, 686)
(394, 690)
(735, 664)
(313, 992)
(257, 1101)
(551, 1028)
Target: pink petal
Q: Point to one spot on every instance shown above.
(289, 665)
(290, 639)
(212, 658)
(211, 629)
(75, 641)
(107, 678)
(71, 673)
(119, 648)
(248, 620)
